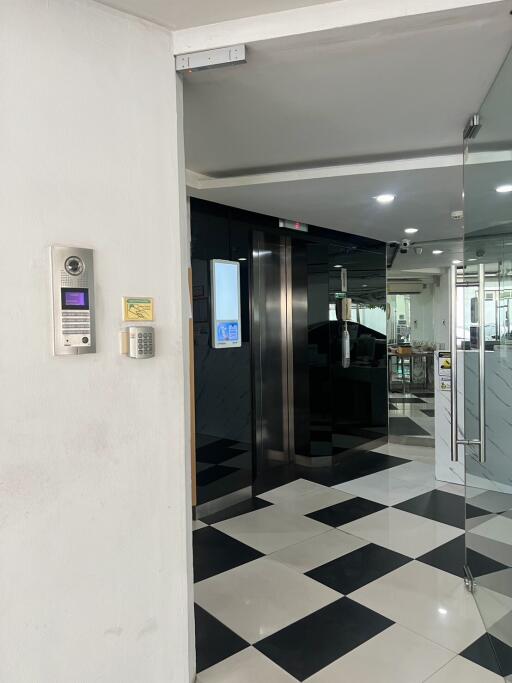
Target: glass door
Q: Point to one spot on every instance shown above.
(486, 414)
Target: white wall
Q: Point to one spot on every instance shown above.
(94, 482)
(421, 316)
(441, 311)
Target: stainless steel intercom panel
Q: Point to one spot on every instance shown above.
(73, 301)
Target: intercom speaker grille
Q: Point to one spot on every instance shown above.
(73, 281)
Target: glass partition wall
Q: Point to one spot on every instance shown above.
(411, 350)
(484, 334)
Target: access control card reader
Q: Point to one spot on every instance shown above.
(73, 301)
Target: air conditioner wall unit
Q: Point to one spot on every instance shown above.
(405, 287)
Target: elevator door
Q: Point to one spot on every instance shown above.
(273, 351)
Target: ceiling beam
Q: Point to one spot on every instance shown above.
(198, 181)
(340, 14)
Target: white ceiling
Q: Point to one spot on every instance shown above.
(177, 14)
(298, 103)
(424, 199)
(392, 92)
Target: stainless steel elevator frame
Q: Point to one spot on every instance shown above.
(272, 333)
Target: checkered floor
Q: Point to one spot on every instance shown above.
(358, 581)
(412, 415)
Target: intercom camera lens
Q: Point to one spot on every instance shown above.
(74, 265)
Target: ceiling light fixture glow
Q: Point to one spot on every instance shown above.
(338, 265)
(436, 252)
(502, 189)
(456, 261)
(385, 198)
(411, 231)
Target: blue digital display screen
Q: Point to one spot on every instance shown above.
(74, 298)
(227, 332)
(226, 329)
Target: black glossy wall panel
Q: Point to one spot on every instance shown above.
(336, 409)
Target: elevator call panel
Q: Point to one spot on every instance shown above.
(73, 301)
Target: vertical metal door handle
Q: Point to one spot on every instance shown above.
(453, 350)
(456, 442)
(481, 357)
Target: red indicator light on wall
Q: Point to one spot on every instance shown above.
(293, 225)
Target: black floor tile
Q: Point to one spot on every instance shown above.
(429, 413)
(393, 406)
(362, 463)
(242, 508)
(349, 511)
(424, 394)
(491, 653)
(218, 451)
(441, 506)
(356, 569)
(437, 505)
(214, 474)
(404, 426)
(472, 511)
(214, 641)
(310, 644)
(351, 466)
(215, 552)
(451, 557)
(405, 399)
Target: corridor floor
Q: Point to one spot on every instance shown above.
(358, 581)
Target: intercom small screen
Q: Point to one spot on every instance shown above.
(75, 299)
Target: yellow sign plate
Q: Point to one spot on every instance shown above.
(137, 308)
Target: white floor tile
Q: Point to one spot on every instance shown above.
(494, 607)
(456, 489)
(318, 550)
(492, 501)
(394, 485)
(402, 531)
(396, 655)
(271, 528)
(421, 453)
(261, 597)
(301, 497)
(502, 629)
(429, 602)
(426, 423)
(197, 524)
(497, 528)
(248, 666)
(461, 670)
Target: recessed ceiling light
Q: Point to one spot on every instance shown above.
(436, 252)
(456, 261)
(365, 285)
(504, 188)
(411, 231)
(471, 259)
(338, 265)
(242, 259)
(385, 198)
